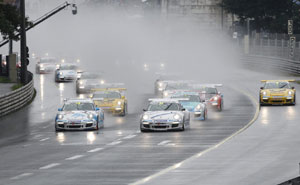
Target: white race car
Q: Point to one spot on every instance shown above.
(79, 114)
(164, 114)
(66, 72)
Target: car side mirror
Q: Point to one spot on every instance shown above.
(144, 110)
(123, 97)
(59, 109)
(293, 87)
(183, 109)
(261, 87)
(97, 109)
(219, 93)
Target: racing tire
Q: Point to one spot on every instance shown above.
(124, 111)
(97, 127)
(294, 103)
(182, 128)
(204, 116)
(220, 108)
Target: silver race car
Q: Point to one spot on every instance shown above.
(45, 65)
(163, 115)
(88, 81)
(66, 72)
(79, 114)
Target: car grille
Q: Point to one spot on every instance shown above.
(175, 125)
(89, 125)
(160, 126)
(74, 126)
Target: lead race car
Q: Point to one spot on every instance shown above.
(192, 102)
(163, 115)
(277, 92)
(79, 114)
(210, 94)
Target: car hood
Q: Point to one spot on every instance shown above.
(77, 115)
(189, 105)
(68, 72)
(163, 115)
(278, 92)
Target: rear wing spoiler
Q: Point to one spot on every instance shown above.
(206, 85)
(167, 99)
(109, 89)
(264, 81)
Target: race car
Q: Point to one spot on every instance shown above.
(173, 86)
(162, 80)
(45, 65)
(111, 100)
(163, 115)
(66, 72)
(87, 81)
(210, 94)
(277, 92)
(79, 114)
(191, 101)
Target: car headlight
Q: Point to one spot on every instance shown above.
(160, 84)
(198, 107)
(90, 116)
(119, 102)
(264, 93)
(41, 65)
(290, 93)
(166, 94)
(60, 73)
(176, 116)
(80, 82)
(60, 116)
(215, 98)
(145, 117)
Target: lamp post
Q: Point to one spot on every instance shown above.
(23, 51)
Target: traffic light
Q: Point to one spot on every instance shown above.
(27, 55)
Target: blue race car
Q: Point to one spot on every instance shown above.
(192, 102)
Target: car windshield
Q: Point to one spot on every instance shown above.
(277, 85)
(162, 106)
(78, 106)
(90, 76)
(189, 98)
(109, 95)
(208, 90)
(174, 86)
(68, 67)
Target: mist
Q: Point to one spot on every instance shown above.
(123, 42)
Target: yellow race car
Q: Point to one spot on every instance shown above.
(277, 92)
(111, 100)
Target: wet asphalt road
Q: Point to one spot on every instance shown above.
(117, 154)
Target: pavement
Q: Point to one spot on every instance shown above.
(5, 88)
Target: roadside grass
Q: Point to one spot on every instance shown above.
(4, 79)
(298, 81)
(16, 86)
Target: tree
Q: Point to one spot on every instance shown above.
(10, 20)
(267, 15)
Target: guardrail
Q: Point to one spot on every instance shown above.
(273, 63)
(16, 99)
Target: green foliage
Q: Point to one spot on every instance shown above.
(16, 86)
(4, 79)
(268, 15)
(10, 20)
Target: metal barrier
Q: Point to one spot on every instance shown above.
(273, 63)
(17, 99)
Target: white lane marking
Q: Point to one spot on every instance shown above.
(95, 150)
(163, 142)
(114, 143)
(170, 144)
(45, 139)
(74, 157)
(49, 166)
(21, 176)
(46, 126)
(129, 137)
(138, 131)
(26, 145)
